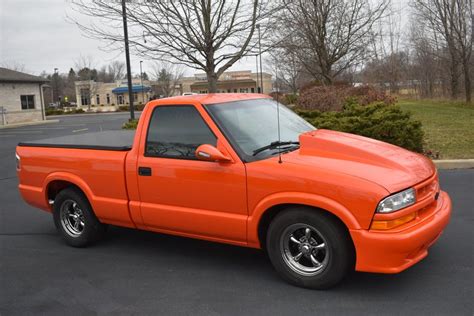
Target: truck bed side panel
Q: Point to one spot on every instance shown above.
(98, 173)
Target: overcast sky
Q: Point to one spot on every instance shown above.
(38, 35)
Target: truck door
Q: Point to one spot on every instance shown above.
(183, 195)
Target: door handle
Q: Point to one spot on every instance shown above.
(144, 171)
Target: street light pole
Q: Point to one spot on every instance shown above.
(127, 58)
(141, 81)
(55, 87)
(256, 66)
(260, 53)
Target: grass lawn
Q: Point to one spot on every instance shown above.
(448, 126)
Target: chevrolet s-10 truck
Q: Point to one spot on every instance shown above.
(240, 169)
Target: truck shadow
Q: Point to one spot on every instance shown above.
(251, 263)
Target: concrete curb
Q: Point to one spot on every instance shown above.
(455, 164)
(28, 124)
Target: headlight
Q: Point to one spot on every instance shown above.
(397, 201)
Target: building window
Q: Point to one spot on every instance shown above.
(228, 90)
(235, 90)
(166, 137)
(85, 97)
(244, 90)
(252, 90)
(120, 98)
(97, 99)
(108, 98)
(135, 96)
(27, 102)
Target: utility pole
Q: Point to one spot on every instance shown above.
(260, 53)
(55, 97)
(127, 57)
(141, 81)
(256, 65)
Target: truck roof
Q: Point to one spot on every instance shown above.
(211, 98)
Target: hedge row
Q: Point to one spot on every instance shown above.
(61, 112)
(333, 98)
(378, 121)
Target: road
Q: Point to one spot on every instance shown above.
(145, 273)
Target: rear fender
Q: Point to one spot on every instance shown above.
(108, 210)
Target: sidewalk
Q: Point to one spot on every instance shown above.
(28, 124)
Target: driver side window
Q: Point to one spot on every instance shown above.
(176, 132)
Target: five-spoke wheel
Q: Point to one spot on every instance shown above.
(72, 218)
(75, 219)
(309, 247)
(304, 249)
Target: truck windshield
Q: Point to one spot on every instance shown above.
(252, 127)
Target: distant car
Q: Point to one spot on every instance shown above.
(320, 202)
(53, 105)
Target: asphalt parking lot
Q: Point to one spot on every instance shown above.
(136, 272)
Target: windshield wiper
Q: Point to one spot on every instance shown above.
(274, 145)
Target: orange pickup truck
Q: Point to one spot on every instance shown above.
(222, 167)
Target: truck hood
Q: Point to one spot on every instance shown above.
(392, 167)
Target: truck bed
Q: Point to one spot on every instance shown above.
(120, 140)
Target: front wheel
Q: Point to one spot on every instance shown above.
(75, 219)
(309, 248)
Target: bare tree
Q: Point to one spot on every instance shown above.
(286, 66)
(167, 76)
(13, 65)
(450, 22)
(203, 34)
(388, 62)
(116, 70)
(329, 36)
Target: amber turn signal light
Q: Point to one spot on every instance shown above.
(389, 224)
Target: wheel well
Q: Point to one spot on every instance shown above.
(273, 211)
(56, 186)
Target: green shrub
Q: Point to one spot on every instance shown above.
(76, 111)
(140, 107)
(126, 108)
(291, 98)
(54, 112)
(379, 121)
(333, 98)
(131, 124)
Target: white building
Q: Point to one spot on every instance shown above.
(21, 97)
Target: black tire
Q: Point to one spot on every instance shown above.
(75, 219)
(296, 259)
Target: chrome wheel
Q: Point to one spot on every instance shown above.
(72, 218)
(304, 249)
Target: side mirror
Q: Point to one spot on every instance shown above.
(210, 153)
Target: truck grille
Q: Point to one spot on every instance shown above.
(427, 190)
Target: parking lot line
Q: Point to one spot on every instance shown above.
(80, 130)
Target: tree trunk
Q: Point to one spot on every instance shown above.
(454, 79)
(212, 82)
(467, 81)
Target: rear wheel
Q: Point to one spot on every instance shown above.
(309, 248)
(75, 220)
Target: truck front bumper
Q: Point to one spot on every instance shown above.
(393, 252)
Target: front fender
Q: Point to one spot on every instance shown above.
(300, 198)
